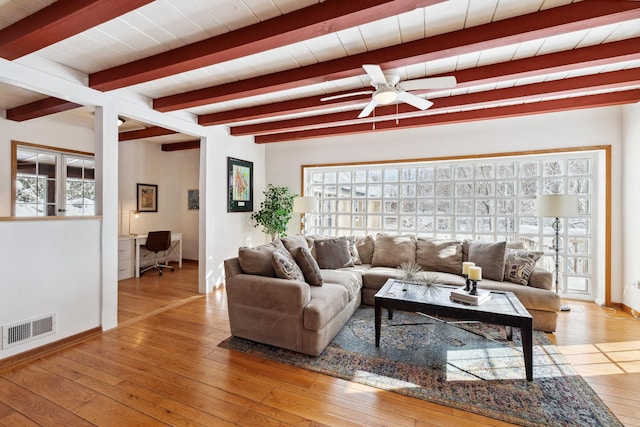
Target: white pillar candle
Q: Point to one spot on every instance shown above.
(466, 265)
(475, 273)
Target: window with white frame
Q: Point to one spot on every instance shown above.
(484, 199)
(51, 182)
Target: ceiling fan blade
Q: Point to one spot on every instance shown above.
(376, 74)
(416, 101)
(346, 95)
(368, 109)
(429, 83)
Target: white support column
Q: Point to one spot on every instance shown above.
(106, 156)
(205, 256)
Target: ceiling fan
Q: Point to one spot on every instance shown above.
(389, 89)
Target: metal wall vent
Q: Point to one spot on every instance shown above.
(20, 332)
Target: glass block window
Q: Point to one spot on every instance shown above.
(488, 199)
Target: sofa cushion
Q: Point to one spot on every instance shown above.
(350, 280)
(541, 278)
(333, 253)
(519, 265)
(439, 255)
(391, 250)
(258, 260)
(292, 243)
(365, 246)
(326, 302)
(353, 250)
(309, 266)
(490, 257)
(285, 266)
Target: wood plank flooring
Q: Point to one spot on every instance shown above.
(162, 366)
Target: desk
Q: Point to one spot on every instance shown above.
(125, 242)
(176, 247)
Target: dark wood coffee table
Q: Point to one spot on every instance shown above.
(502, 309)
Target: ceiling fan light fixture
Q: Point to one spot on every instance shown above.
(385, 95)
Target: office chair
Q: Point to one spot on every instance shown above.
(157, 241)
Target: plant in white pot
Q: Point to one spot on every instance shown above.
(275, 211)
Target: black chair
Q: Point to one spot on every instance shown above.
(157, 241)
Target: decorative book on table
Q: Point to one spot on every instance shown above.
(460, 295)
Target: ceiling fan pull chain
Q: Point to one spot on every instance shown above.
(397, 120)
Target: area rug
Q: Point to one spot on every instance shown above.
(468, 366)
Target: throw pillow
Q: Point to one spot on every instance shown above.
(285, 266)
(490, 257)
(292, 243)
(309, 266)
(333, 253)
(392, 250)
(258, 260)
(365, 246)
(353, 250)
(439, 255)
(519, 265)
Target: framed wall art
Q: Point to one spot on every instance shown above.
(193, 199)
(147, 198)
(240, 185)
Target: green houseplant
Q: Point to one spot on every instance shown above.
(275, 211)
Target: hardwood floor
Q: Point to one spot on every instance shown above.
(162, 366)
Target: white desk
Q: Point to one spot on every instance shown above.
(175, 252)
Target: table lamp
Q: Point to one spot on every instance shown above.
(557, 206)
(135, 214)
(304, 205)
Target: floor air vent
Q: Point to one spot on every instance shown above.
(18, 333)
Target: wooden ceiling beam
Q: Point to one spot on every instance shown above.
(149, 132)
(546, 23)
(590, 56)
(58, 21)
(177, 146)
(564, 87)
(40, 108)
(576, 103)
(313, 21)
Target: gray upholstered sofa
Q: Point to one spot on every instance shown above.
(297, 292)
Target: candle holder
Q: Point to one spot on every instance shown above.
(468, 282)
(474, 287)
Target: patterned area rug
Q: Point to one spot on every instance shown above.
(469, 366)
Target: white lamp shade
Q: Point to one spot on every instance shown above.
(557, 205)
(304, 204)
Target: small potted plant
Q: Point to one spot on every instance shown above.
(275, 211)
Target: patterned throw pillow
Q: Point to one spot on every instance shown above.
(285, 266)
(353, 250)
(519, 265)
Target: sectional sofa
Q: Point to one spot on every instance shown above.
(298, 292)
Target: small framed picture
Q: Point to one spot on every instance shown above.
(193, 199)
(240, 185)
(147, 198)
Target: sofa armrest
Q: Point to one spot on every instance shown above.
(541, 278)
(269, 293)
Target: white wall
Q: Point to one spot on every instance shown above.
(631, 206)
(227, 231)
(174, 173)
(591, 127)
(35, 282)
